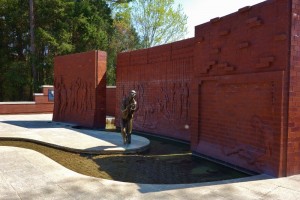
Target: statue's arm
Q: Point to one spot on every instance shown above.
(123, 105)
(124, 109)
(134, 106)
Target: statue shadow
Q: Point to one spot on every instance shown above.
(33, 124)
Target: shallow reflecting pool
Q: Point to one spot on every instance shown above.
(166, 162)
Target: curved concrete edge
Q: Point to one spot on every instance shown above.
(74, 150)
(27, 174)
(38, 128)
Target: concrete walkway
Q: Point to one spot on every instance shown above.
(26, 174)
(40, 128)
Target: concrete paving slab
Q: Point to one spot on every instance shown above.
(51, 192)
(40, 128)
(282, 193)
(10, 196)
(5, 188)
(234, 191)
(289, 183)
(194, 194)
(259, 187)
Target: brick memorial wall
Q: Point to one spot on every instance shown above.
(240, 76)
(80, 89)
(293, 122)
(233, 90)
(161, 77)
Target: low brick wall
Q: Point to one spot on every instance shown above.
(41, 104)
(24, 107)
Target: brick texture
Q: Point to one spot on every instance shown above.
(293, 138)
(41, 104)
(80, 85)
(110, 100)
(239, 81)
(161, 77)
(232, 90)
(25, 108)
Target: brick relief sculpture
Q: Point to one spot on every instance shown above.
(79, 86)
(77, 98)
(163, 89)
(240, 120)
(171, 104)
(235, 86)
(244, 103)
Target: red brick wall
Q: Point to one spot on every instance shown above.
(161, 77)
(231, 85)
(293, 140)
(25, 108)
(41, 104)
(80, 86)
(110, 100)
(239, 85)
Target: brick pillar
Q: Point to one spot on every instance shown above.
(80, 89)
(293, 140)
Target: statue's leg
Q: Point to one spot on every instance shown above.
(123, 131)
(126, 132)
(129, 131)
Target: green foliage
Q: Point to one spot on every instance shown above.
(124, 38)
(13, 41)
(15, 82)
(158, 22)
(71, 26)
(91, 25)
(61, 27)
(64, 27)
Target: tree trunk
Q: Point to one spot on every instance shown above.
(32, 44)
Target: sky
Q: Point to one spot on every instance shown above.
(201, 11)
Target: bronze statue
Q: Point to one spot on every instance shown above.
(128, 107)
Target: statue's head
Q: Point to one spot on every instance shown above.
(132, 93)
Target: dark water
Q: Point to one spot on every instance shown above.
(166, 162)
